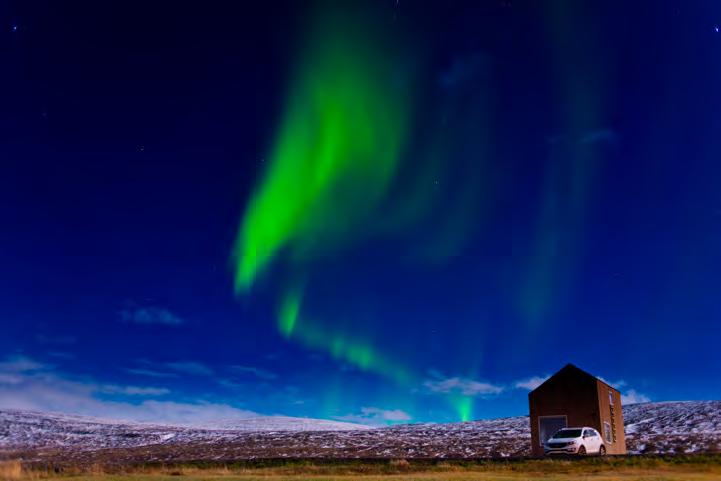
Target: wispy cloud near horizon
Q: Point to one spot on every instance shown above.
(530, 383)
(133, 390)
(172, 369)
(150, 315)
(254, 371)
(634, 397)
(628, 394)
(189, 367)
(149, 372)
(27, 384)
(460, 385)
(376, 416)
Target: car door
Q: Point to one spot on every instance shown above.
(590, 441)
(596, 439)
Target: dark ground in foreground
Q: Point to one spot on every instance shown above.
(253, 447)
(626, 468)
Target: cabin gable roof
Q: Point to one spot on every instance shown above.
(567, 373)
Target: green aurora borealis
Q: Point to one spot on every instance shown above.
(335, 159)
(335, 156)
(342, 171)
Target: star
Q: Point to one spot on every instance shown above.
(14, 28)
(716, 28)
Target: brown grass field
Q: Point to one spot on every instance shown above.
(683, 468)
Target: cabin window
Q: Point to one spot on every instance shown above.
(607, 432)
(548, 426)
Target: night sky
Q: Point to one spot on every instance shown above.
(382, 211)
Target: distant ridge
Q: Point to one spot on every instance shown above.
(280, 423)
(30, 429)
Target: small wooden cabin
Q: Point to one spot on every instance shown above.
(574, 398)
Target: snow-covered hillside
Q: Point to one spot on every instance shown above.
(670, 427)
(673, 417)
(673, 427)
(28, 429)
(281, 423)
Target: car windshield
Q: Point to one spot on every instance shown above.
(567, 433)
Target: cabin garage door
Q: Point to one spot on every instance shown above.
(548, 425)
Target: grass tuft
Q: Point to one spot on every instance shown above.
(11, 470)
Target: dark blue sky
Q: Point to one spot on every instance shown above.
(583, 140)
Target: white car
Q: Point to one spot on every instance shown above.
(579, 441)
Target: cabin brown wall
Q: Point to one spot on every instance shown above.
(576, 397)
(618, 446)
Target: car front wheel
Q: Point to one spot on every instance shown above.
(602, 451)
(581, 450)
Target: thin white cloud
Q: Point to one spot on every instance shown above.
(30, 385)
(230, 383)
(466, 387)
(150, 372)
(633, 397)
(376, 416)
(10, 378)
(21, 364)
(189, 367)
(133, 390)
(628, 394)
(169, 369)
(255, 371)
(531, 383)
(150, 315)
